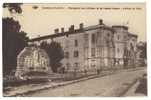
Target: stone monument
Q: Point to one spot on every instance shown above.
(32, 59)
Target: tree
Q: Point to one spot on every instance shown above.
(13, 7)
(14, 40)
(55, 53)
(143, 51)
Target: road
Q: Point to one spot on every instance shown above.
(111, 85)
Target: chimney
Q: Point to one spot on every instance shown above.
(81, 26)
(100, 21)
(62, 30)
(71, 28)
(56, 30)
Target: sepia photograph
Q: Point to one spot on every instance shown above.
(74, 50)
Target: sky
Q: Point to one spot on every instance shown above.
(47, 17)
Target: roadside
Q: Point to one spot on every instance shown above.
(31, 88)
(139, 88)
(37, 87)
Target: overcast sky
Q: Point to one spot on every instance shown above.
(43, 20)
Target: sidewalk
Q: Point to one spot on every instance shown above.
(131, 91)
(136, 87)
(37, 87)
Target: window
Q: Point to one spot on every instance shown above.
(98, 37)
(86, 52)
(93, 52)
(76, 53)
(66, 54)
(76, 43)
(108, 34)
(68, 66)
(86, 40)
(86, 36)
(44, 68)
(118, 37)
(118, 50)
(67, 43)
(93, 38)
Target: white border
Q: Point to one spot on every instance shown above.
(86, 1)
(73, 1)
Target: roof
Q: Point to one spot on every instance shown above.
(55, 35)
(134, 35)
(120, 26)
(72, 32)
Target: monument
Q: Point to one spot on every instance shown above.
(32, 60)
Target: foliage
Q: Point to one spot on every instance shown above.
(55, 52)
(14, 40)
(13, 7)
(143, 49)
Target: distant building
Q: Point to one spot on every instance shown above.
(94, 47)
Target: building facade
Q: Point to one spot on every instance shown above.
(93, 47)
(125, 45)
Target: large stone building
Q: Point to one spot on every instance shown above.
(93, 47)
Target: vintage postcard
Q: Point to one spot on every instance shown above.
(74, 50)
